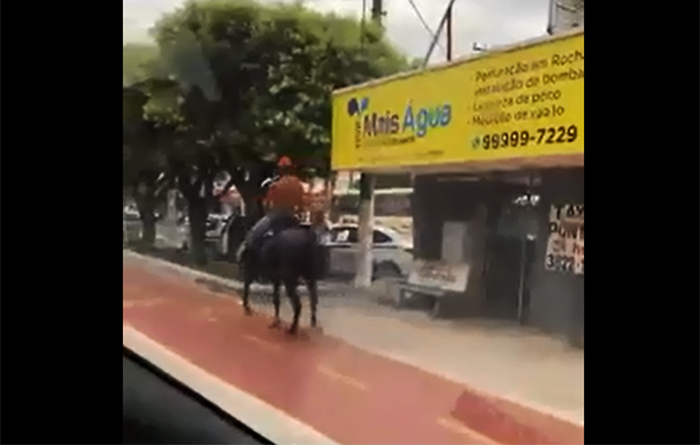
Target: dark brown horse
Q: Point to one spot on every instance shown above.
(289, 256)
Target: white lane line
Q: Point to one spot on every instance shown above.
(342, 378)
(463, 430)
(271, 423)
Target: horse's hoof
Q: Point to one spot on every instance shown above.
(275, 324)
(292, 331)
(248, 311)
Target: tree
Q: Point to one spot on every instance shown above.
(415, 64)
(143, 169)
(144, 166)
(254, 82)
(139, 62)
(251, 81)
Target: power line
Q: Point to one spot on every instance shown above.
(424, 23)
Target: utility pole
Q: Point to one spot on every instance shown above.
(565, 15)
(364, 269)
(436, 37)
(377, 11)
(448, 32)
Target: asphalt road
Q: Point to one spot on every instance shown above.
(316, 377)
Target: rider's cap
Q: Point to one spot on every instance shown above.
(284, 162)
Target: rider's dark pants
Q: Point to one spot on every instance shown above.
(265, 224)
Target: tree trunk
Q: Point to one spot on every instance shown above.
(197, 213)
(146, 204)
(148, 231)
(251, 197)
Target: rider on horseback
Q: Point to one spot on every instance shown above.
(285, 197)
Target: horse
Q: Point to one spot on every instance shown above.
(289, 255)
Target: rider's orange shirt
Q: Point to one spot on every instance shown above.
(286, 193)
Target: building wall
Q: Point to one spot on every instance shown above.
(437, 199)
(432, 203)
(557, 298)
(565, 15)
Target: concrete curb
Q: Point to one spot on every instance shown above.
(234, 284)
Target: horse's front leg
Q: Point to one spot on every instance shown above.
(290, 287)
(276, 301)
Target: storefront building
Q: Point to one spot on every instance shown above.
(496, 144)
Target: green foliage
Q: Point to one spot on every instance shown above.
(415, 64)
(231, 84)
(257, 78)
(140, 61)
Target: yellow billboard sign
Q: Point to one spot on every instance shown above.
(523, 102)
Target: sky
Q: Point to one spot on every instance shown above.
(486, 22)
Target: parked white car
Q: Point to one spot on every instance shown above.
(131, 224)
(391, 252)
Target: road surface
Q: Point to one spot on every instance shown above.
(345, 393)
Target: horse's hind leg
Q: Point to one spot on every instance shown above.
(290, 287)
(246, 294)
(312, 286)
(276, 322)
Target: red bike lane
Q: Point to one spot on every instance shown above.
(346, 393)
